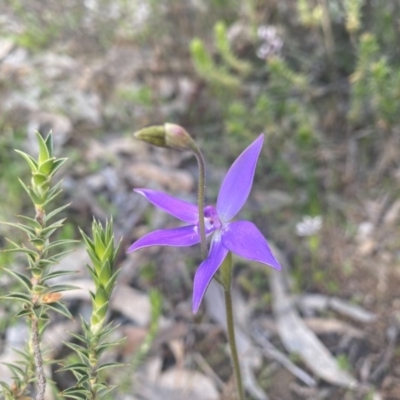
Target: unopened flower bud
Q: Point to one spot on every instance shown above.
(177, 137)
(168, 135)
(154, 135)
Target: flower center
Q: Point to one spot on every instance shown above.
(211, 219)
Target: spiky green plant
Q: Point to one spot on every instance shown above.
(38, 296)
(375, 83)
(92, 342)
(224, 48)
(219, 76)
(353, 15)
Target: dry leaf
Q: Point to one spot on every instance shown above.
(299, 339)
(249, 356)
(323, 326)
(321, 302)
(175, 383)
(188, 384)
(132, 303)
(134, 337)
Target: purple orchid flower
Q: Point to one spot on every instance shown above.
(240, 237)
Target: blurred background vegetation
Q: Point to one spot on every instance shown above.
(321, 79)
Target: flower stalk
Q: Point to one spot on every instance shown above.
(226, 278)
(200, 201)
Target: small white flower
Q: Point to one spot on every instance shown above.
(309, 226)
(271, 42)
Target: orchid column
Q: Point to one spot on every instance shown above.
(240, 237)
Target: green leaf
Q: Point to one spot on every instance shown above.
(109, 365)
(49, 199)
(79, 394)
(83, 356)
(31, 161)
(44, 154)
(57, 187)
(60, 308)
(54, 225)
(46, 167)
(100, 349)
(17, 371)
(28, 229)
(77, 366)
(79, 337)
(40, 289)
(21, 277)
(88, 242)
(108, 254)
(82, 351)
(24, 354)
(95, 261)
(31, 193)
(105, 390)
(111, 283)
(83, 379)
(104, 274)
(38, 268)
(48, 233)
(39, 179)
(56, 211)
(49, 143)
(18, 297)
(5, 386)
(57, 257)
(99, 245)
(109, 328)
(117, 247)
(27, 190)
(61, 242)
(56, 274)
(38, 243)
(49, 230)
(24, 313)
(57, 165)
(93, 275)
(60, 288)
(33, 221)
(43, 327)
(86, 328)
(101, 300)
(17, 248)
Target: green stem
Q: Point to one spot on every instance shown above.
(226, 278)
(200, 200)
(232, 343)
(37, 354)
(92, 343)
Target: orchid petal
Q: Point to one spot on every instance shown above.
(178, 208)
(244, 239)
(206, 271)
(238, 181)
(179, 237)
